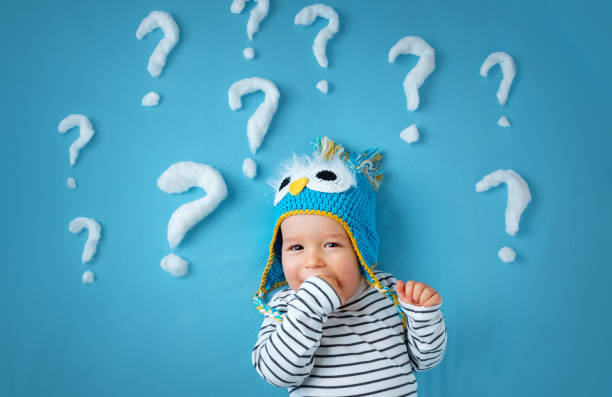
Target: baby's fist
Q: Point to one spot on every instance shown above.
(417, 293)
(334, 284)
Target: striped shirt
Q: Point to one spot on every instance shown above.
(359, 348)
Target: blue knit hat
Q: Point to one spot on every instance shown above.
(340, 186)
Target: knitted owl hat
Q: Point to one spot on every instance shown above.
(335, 184)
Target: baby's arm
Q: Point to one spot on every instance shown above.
(284, 352)
(426, 329)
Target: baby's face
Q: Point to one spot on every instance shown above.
(318, 245)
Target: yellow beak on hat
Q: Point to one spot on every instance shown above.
(297, 186)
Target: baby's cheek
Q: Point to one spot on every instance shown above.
(291, 275)
(293, 283)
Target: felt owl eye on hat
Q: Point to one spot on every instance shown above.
(333, 183)
(332, 176)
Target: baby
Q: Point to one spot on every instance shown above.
(342, 328)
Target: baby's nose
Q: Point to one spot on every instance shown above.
(314, 260)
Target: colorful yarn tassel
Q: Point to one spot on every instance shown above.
(367, 162)
(329, 149)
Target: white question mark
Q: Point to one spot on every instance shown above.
(508, 70)
(257, 14)
(416, 77)
(518, 198)
(86, 131)
(178, 178)
(307, 16)
(258, 123)
(91, 246)
(163, 20)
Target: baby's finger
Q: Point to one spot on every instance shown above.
(399, 288)
(408, 291)
(428, 292)
(436, 299)
(417, 291)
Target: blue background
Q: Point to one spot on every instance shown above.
(538, 326)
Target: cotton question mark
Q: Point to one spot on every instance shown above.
(306, 17)
(416, 77)
(86, 131)
(91, 246)
(163, 20)
(258, 123)
(508, 70)
(257, 15)
(518, 198)
(178, 178)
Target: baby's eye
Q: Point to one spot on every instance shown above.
(332, 245)
(284, 183)
(296, 247)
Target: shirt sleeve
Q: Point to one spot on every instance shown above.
(426, 335)
(284, 352)
(426, 331)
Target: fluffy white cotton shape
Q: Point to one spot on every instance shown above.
(508, 70)
(249, 168)
(507, 254)
(410, 134)
(503, 122)
(258, 123)
(150, 99)
(307, 16)
(258, 13)
(518, 195)
(175, 265)
(182, 176)
(88, 277)
(248, 53)
(71, 183)
(163, 20)
(323, 86)
(416, 77)
(86, 131)
(94, 229)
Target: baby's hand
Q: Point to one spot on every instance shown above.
(335, 286)
(417, 293)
